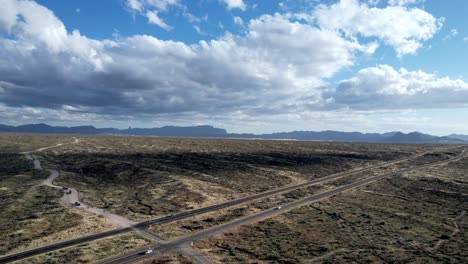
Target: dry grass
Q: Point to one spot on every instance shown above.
(148, 177)
(16, 142)
(200, 222)
(31, 215)
(89, 224)
(167, 258)
(197, 223)
(29, 211)
(93, 251)
(417, 219)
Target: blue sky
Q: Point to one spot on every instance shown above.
(87, 16)
(247, 66)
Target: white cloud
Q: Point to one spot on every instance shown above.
(277, 67)
(404, 2)
(34, 22)
(164, 5)
(194, 19)
(199, 30)
(37, 27)
(160, 5)
(400, 27)
(153, 18)
(263, 70)
(465, 39)
(136, 5)
(8, 15)
(152, 8)
(453, 33)
(238, 21)
(233, 4)
(383, 87)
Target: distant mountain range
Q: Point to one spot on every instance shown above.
(209, 131)
(461, 137)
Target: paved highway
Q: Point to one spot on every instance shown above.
(186, 250)
(134, 256)
(187, 214)
(227, 204)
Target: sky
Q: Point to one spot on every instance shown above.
(243, 65)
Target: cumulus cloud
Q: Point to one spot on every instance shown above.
(233, 4)
(279, 65)
(273, 63)
(400, 27)
(383, 87)
(36, 27)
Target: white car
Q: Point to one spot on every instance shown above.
(149, 251)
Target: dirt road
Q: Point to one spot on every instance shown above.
(71, 197)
